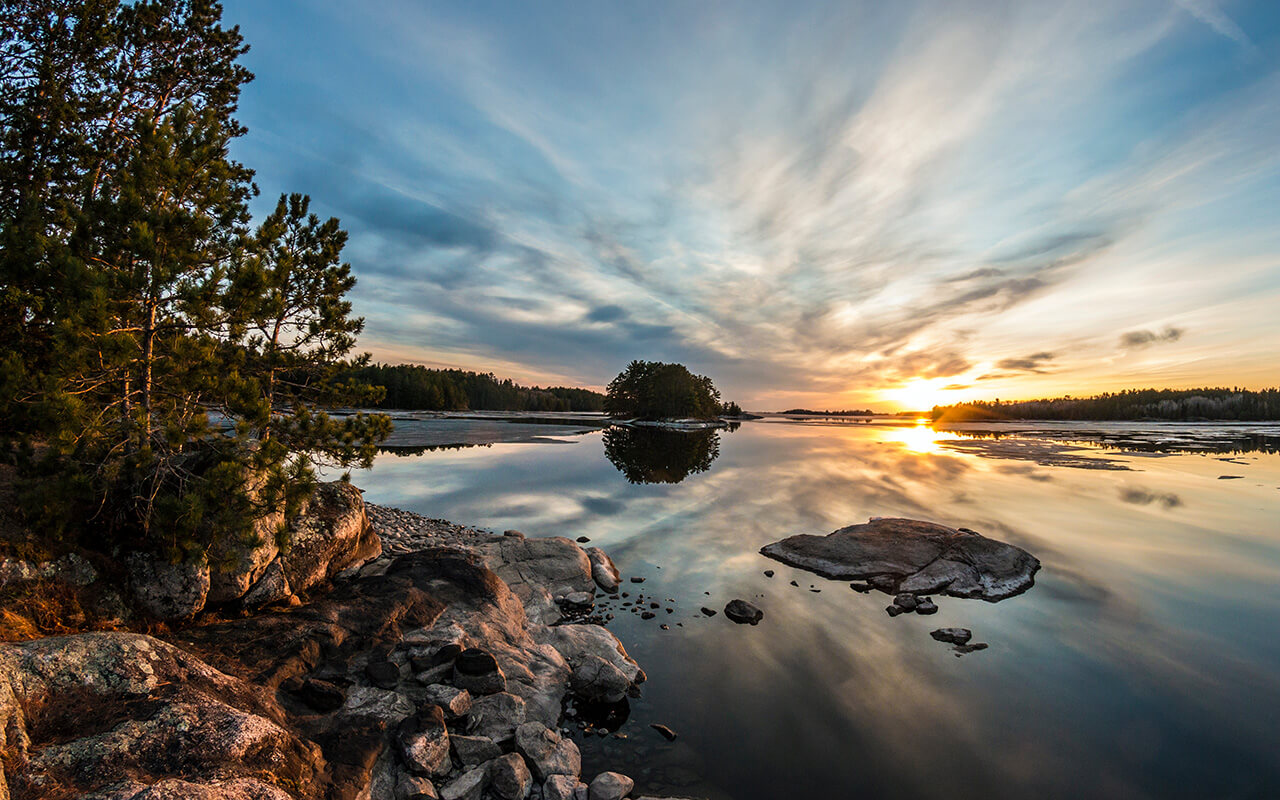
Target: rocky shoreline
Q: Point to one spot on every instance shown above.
(437, 666)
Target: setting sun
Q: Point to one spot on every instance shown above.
(919, 394)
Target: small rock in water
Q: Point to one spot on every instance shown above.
(742, 612)
(906, 602)
(793, 583)
(768, 573)
(926, 606)
(710, 612)
(648, 615)
(637, 579)
(860, 587)
(964, 649)
(952, 635)
(666, 732)
(583, 539)
(894, 611)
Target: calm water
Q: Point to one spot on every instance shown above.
(1145, 662)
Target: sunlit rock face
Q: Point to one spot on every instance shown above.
(915, 557)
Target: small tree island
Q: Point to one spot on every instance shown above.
(655, 391)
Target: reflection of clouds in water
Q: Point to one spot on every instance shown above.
(1142, 497)
(603, 506)
(1027, 470)
(1139, 617)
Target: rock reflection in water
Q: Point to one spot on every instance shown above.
(658, 455)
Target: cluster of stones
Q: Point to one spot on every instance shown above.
(405, 532)
(905, 603)
(470, 738)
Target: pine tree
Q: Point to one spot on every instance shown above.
(125, 254)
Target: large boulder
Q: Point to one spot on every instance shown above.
(166, 590)
(237, 563)
(496, 716)
(331, 536)
(509, 778)
(538, 569)
(578, 643)
(548, 752)
(424, 742)
(95, 710)
(598, 681)
(610, 786)
(913, 556)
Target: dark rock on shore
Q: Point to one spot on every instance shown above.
(913, 557)
(742, 612)
(299, 703)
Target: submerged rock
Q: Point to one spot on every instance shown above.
(952, 635)
(742, 612)
(913, 557)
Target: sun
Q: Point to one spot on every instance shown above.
(919, 394)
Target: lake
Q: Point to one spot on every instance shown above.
(1144, 662)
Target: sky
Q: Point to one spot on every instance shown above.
(852, 204)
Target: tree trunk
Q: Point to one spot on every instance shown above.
(148, 355)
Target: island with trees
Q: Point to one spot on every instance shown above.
(658, 392)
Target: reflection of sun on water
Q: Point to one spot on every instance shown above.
(919, 438)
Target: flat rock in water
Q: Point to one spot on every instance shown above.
(742, 612)
(914, 557)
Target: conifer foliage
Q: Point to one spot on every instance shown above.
(653, 390)
(161, 356)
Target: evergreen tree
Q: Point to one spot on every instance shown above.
(653, 390)
(126, 262)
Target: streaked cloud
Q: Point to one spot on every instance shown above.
(812, 204)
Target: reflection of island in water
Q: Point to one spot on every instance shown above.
(658, 455)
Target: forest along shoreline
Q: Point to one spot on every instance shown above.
(431, 660)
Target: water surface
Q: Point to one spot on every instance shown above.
(1144, 662)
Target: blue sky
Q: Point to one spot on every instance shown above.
(840, 204)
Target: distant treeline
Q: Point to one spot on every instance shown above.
(1171, 404)
(411, 386)
(853, 412)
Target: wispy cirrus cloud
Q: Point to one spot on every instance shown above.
(804, 202)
